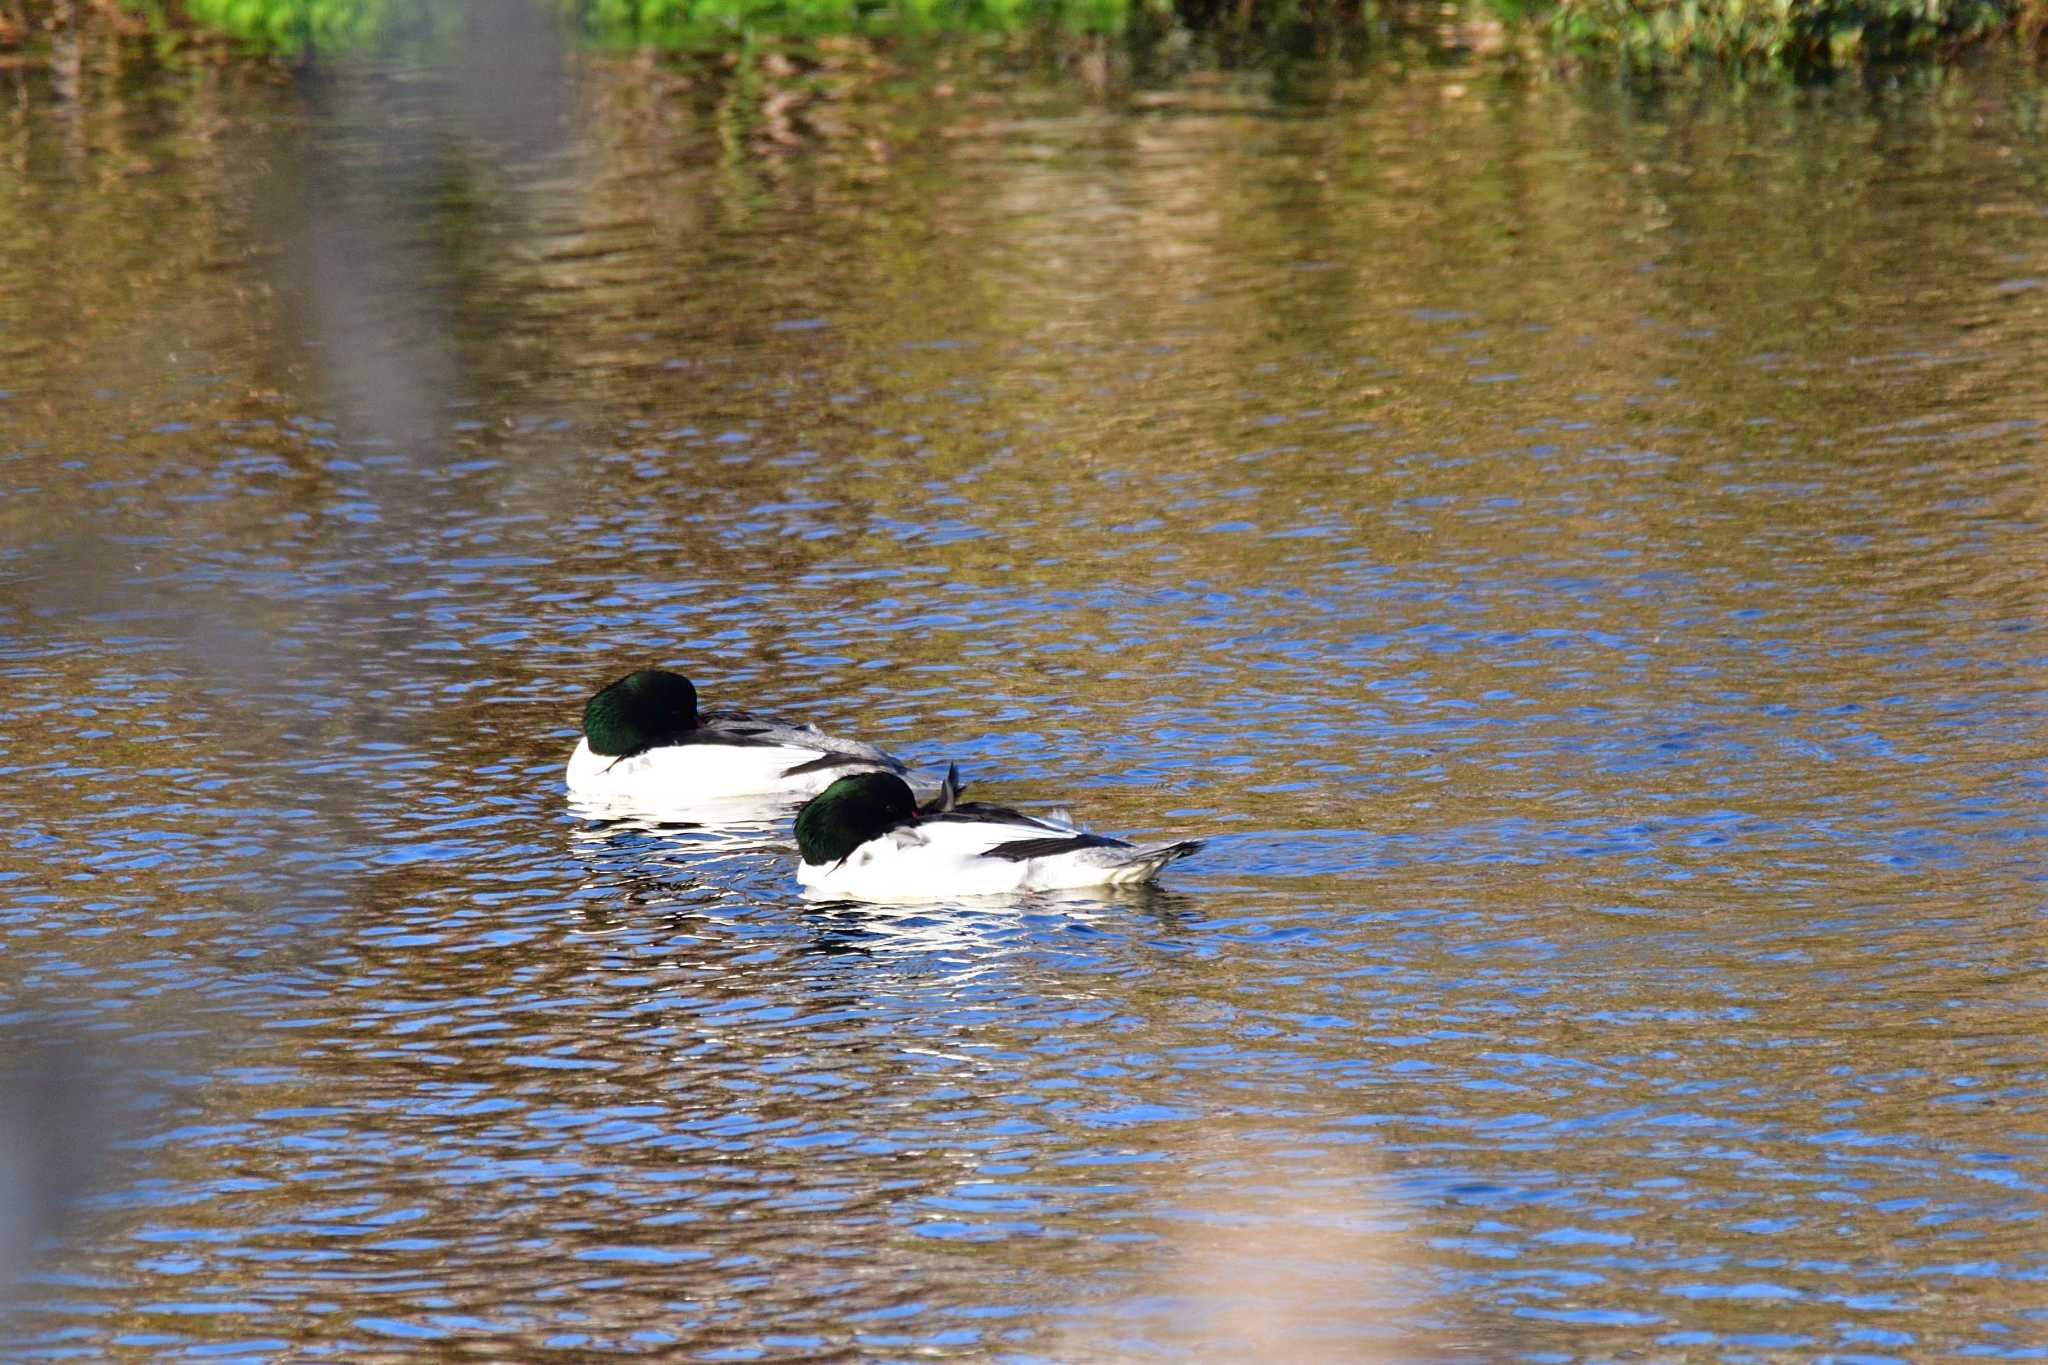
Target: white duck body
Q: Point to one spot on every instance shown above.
(738, 756)
(647, 748)
(972, 850)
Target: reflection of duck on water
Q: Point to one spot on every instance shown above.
(979, 930)
(646, 745)
(865, 838)
(734, 820)
(683, 851)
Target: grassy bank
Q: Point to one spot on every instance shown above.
(1791, 33)
(1795, 35)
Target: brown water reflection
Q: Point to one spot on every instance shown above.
(1575, 555)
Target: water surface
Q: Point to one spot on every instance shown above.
(1576, 557)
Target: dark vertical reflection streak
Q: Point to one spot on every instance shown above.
(377, 319)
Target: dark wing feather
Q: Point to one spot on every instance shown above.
(824, 761)
(988, 813)
(741, 728)
(1022, 850)
(746, 729)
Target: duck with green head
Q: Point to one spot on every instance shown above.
(866, 838)
(645, 744)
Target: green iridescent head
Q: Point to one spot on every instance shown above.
(850, 812)
(640, 711)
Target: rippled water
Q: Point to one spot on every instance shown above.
(1575, 556)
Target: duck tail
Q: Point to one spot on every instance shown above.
(949, 793)
(1143, 864)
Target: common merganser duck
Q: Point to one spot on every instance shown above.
(865, 838)
(645, 745)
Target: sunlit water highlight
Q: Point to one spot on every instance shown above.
(1576, 558)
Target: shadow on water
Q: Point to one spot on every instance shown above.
(1573, 553)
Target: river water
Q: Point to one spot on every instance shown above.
(1574, 554)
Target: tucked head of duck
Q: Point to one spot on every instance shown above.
(850, 812)
(640, 711)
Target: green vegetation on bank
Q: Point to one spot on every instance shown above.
(683, 22)
(680, 24)
(1795, 33)
(1799, 35)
